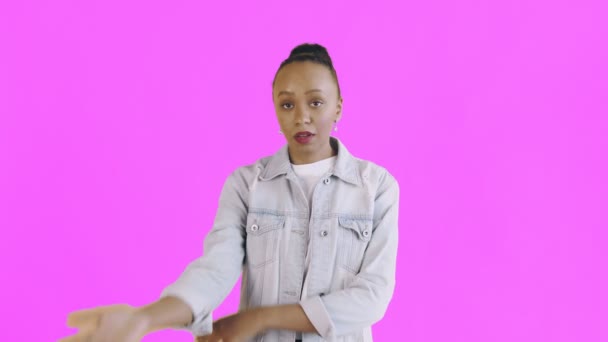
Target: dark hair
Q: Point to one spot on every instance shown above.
(310, 52)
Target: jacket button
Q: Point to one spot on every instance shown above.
(326, 181)
(366, 233)
(254, 228)
(324, 233)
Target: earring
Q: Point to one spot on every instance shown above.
(336, 126)
(280, 132)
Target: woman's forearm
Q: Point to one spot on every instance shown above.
(287, 317)
(167, 312)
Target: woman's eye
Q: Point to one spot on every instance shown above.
(317, 103)
(287, 105)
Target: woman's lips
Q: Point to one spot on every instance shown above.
(304, 137)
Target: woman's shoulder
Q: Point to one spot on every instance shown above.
(251, 171)
(352, 166)
(371, 170)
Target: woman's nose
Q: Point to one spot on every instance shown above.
(302, 116)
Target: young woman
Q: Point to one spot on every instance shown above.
(312, 229)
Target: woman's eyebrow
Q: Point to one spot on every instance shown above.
(285, 92)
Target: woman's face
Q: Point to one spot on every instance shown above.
(307, 105)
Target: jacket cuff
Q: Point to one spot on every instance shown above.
(319, 317)
(202, 324)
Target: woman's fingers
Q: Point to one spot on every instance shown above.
(86, 317)
(83, 318)
(82, 336)
(112, 323)
(209, 338)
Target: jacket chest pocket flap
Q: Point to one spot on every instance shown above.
(354, 236)
(263, 233)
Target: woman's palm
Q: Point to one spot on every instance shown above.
(113, 323)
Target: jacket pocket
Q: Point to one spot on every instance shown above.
(263, 234)
(354, 236)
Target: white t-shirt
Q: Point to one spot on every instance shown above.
(309, 176)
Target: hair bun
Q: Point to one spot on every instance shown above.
(315, 53)
(315, 50)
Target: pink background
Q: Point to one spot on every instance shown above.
(121, 120)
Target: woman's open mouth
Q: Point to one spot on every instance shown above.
(303, 137)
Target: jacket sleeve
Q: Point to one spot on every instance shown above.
(207, 280)
(366, 299)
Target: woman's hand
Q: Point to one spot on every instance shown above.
(236, 328)
(113, 323)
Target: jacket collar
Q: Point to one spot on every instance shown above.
(346, 167)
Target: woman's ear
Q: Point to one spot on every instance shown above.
(339, 109)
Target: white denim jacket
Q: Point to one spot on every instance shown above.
(261, 230)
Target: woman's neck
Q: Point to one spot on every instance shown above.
(309, 158)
